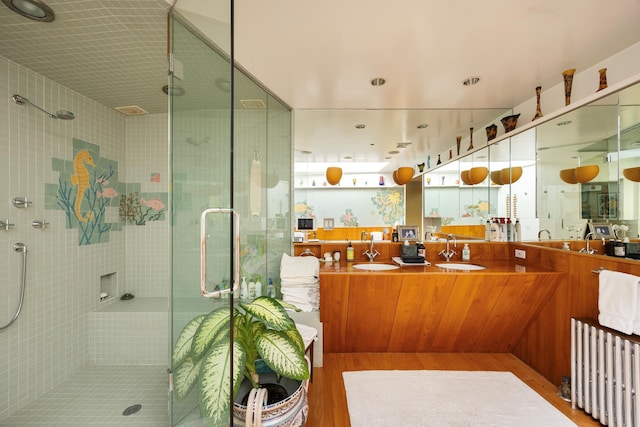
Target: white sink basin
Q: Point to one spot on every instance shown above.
(460, 266)
(375, 267)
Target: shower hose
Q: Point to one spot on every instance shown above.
(19, 247)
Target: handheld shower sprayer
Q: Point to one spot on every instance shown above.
(60, 114)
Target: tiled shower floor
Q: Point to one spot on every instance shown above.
(97, 396)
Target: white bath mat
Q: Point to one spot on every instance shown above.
(446, 398)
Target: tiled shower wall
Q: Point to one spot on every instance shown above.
(49, 341)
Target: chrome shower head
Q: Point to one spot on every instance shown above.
(60, 114)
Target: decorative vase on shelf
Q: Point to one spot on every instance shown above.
(510, 122)
(492, 131)
(421, 167)
(470, 139)
(439, 161)
(381, 182)
(538, 109)
(603, 79)
(458, 140)
(450, 154)
(567, 75)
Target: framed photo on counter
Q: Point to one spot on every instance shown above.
(603, 230)
(408, 232)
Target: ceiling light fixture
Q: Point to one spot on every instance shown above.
(422, 126)
(378, 81)
(471, 81)
(393, 152)
(32, 9)
(360, 126)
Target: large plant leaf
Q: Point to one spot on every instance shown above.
(288, 305)
(184, 377)
(271, 312)
(183, 345)
(214, 325)
(282, 354)
(215, 384)
(294, 334)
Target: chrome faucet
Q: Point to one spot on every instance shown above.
(371, 252)
(544, 231)
(446, 253)
(589, 250)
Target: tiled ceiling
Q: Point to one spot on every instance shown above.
(113, 51)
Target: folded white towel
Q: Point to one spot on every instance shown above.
(299, 267)
(618, 300)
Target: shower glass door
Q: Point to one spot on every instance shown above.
(201, 167)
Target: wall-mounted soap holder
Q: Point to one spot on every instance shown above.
(5, 225)
(21, 202)
(39, 223)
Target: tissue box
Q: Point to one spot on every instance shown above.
(298, 237)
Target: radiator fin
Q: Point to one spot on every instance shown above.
(605, 373)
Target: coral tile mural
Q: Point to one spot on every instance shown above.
(94, 199)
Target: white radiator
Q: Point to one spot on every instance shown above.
(605, 373)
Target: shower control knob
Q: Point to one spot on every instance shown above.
(39, 223)
(5, 224)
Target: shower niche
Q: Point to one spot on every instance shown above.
(108, 287)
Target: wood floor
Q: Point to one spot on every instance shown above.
(327, 398)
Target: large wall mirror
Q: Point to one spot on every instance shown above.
(571, 170)
(583, 157)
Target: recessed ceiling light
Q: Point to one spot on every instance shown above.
(566, 122)
(32, 9)
(360, 126)
(471, 81)
(394, 152)
(347, 158)
(372, 144)
(306, 152)
(378, 81)
(387, 157)
(423, 126)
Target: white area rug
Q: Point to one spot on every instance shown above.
(446, 398)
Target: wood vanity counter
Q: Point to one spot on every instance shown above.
(429, 309)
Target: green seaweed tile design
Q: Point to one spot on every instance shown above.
(88, 190)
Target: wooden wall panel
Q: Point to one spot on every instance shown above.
(421, 304)
(372, 305)
(334, 302)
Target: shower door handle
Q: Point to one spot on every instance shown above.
(235, 219)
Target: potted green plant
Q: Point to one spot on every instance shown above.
(262, 331)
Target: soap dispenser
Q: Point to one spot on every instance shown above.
(350, 252)
(271, 290)
(466, 253)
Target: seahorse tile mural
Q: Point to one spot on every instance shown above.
(89, 189)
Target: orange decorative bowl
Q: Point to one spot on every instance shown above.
(632, 174)
(405, 174)
(495, 177)
(464, 176)
(395, 177)
(568, 176)
(478, 174)
(586, 173)
(510, 175)
(334, 174)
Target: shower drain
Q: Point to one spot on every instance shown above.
(132, 409)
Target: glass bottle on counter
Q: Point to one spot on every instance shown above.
(350, 252)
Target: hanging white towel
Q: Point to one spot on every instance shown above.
(618, 300)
